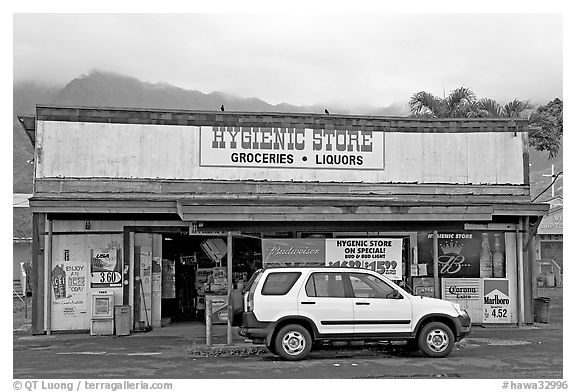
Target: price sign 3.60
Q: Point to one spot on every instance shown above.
(106, 279)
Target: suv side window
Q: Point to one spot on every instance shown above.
(325, 284)
(279, 283)
(368, 286)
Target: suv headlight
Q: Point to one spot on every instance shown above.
(459, 309)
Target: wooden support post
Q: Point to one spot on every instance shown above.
(435, 260)
(527, 262)
(38, 273)
(229, 269)
(209, 321)
(48, 284)
(520, 267)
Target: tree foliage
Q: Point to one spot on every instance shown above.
(462, 103)
(549, 118)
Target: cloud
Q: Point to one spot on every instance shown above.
(352, 59)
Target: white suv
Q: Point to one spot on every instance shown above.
(289, 309)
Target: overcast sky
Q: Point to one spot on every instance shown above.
(349, 59)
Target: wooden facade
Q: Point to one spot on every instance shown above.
(103, 150)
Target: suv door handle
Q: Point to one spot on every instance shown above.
(362, 303)
(308, 303)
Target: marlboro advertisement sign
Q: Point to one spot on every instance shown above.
(291, 148)
(497, 306)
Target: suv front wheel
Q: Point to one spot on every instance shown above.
(293, 342)
(436, 340)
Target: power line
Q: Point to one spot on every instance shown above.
(549, 186)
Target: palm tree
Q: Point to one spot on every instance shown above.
(458, 103)
(462, 103)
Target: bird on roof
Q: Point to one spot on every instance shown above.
(326, 111)
(222, 108)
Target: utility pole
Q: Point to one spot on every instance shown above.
(551, 175)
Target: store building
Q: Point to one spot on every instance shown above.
(151, 206)
(21, 242)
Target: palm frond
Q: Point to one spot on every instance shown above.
(516, 108)
(489, 108)
(425, 104)
(458, 102)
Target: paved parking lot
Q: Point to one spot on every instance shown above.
(502, 353)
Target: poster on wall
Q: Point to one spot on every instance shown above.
(297, 148)
(496, 301)
(465, 254)
(168, 279)
(423, 287)
(383, 255)
(299, 252)
(105, 268)
(466, 292)
(69, 288)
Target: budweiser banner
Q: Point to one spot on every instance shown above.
(496, 301)
(297, 252)
(291, 148)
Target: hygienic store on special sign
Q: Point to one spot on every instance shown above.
(156, 213)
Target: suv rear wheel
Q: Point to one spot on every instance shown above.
(293, 342)
(436, 340)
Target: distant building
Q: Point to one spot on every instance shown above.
(549, 242)
(21, 239)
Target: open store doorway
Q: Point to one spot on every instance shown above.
(194, 268)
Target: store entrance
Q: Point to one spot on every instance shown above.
(194, 268)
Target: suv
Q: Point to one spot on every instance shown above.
(290, 309)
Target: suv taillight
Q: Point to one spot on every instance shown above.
(250, 302)
(251, 288)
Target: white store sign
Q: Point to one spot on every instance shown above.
(293, 148)
(383, 255)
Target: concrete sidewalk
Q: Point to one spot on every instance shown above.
(193, 334)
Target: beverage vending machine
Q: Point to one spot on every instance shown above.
(102, 320)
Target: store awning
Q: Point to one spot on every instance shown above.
(352, 209)
(283, 208)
